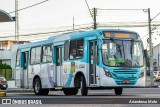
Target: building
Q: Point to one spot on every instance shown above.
(156, 56)
(6, 45)
(6, 51)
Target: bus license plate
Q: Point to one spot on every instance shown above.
(126, 81)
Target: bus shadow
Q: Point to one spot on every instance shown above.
(108, 95)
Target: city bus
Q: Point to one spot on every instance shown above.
(82, 61)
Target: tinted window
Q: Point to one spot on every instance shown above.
(76, 49)
(66, 50)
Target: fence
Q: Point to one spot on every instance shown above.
(7, 73)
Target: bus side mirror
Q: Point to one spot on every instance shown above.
(145, 53)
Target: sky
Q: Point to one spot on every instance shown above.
(53, 14)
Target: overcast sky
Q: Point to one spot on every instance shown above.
(55, 13)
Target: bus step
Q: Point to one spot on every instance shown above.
(92, 85)
(58, 88)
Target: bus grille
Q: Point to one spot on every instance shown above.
(125, 74)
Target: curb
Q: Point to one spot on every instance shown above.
(17, 90)
(2, 94)
(156, 86)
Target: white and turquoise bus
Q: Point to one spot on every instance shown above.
(97, 59)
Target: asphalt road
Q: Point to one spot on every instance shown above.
(127, 93)
(98, 97)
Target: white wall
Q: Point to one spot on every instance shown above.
(156, 52)
(7, 61)
(9, 57)
(13, 55)
(5, 55)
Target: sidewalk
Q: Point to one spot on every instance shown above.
(17, 90)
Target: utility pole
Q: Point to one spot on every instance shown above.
(16, 23)
(73, 24)
(158, 56)
(94, 17)
(151, 47)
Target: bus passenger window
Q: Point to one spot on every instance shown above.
(80, 48)
(66, 50)
(35, 55)
(76, 49)
(32, 61)
(47, 53)
(38, 54)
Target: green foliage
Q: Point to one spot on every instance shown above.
(6, 71)
(5, 66)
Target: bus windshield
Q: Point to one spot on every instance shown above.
(125, 53)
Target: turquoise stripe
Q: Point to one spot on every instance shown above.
(68, 83)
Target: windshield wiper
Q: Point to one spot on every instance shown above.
(131, 48)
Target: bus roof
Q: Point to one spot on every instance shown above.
(39, 43)
(68, 36)
(71, 35)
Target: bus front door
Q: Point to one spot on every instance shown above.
(25, 56)
(92, 62)
(58, 56)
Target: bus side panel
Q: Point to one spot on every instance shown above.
(18, 77)
(47, 75)
(82, 67)
(33, 71)
(70, 69)
(67, 75)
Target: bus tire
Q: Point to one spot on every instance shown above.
(83, 88)
(70, 91)
(66, 91)
(75, 91)
(45, 91)
(37, 87)
(3, 88)
(118, 91)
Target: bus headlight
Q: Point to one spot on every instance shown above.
(107, 73)
(142, 74)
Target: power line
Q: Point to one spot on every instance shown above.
(151, 30)
(122, 9)
(51, 32)
(89, 10)
(155, 16)
(30, 6)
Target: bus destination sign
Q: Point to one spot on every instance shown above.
(120, 35)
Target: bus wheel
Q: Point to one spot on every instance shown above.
(75, 91)
(66, 91)
(118, 91)
(83, 88)
(45, 91)
(37, 87)
(3, 88)
(70, 91)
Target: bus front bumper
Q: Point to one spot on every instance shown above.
(110, 82)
